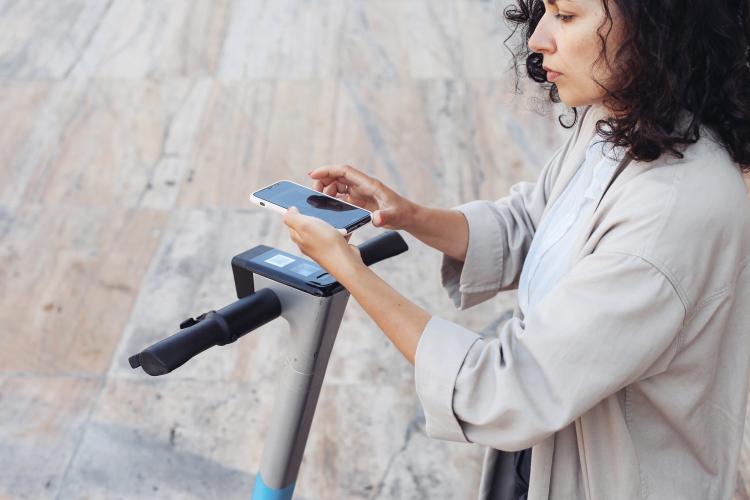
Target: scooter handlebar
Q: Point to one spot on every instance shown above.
(209, 329)
(381, 247)
(239, 318)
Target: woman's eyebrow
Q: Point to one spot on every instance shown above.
(554, 2)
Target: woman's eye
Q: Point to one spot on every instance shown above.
(563, 18)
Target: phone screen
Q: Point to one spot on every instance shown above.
(310, 202)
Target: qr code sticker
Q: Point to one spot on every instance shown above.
(279, 260)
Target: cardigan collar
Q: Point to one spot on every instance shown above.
(572, 159)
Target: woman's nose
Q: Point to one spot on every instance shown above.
(541, 40)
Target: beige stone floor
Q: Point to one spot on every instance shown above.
(133, 132)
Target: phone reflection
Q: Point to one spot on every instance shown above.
(326, 203)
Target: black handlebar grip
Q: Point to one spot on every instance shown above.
(216, 328)
(177, 349)
(251, 312)
(384, 246)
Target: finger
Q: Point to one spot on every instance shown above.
(342, 173)
(292, 217)
(295, 236)
(383, 217)
(330, 171)
(333, 186)
(321, 184)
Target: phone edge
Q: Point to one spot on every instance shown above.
(279, 209)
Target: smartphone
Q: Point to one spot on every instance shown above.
(284, 194)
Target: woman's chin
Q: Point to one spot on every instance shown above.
(574, 101)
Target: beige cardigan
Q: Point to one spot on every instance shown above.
(629, 378)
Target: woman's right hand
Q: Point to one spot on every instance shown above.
(389, 209)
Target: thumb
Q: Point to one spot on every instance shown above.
(293, 211)
(382, 217)
(290, 216)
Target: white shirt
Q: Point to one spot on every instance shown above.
(546, 260)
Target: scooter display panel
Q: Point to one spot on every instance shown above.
(300, 273)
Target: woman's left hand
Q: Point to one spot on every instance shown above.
(322, 242)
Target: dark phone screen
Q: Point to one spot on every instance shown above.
(310, 202)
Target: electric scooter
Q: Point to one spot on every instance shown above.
(272, 283)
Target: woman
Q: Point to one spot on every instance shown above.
(624, 368)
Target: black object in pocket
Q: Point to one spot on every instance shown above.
(510, 480)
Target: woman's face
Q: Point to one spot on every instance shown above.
(567, 38)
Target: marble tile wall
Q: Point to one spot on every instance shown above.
(133, 132)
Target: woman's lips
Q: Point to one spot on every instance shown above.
(552, 76)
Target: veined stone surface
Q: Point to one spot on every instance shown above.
(133, 134)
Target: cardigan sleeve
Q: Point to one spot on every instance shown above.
(613, 319)
(500, 235)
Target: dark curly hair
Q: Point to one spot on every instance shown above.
(675, 57)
